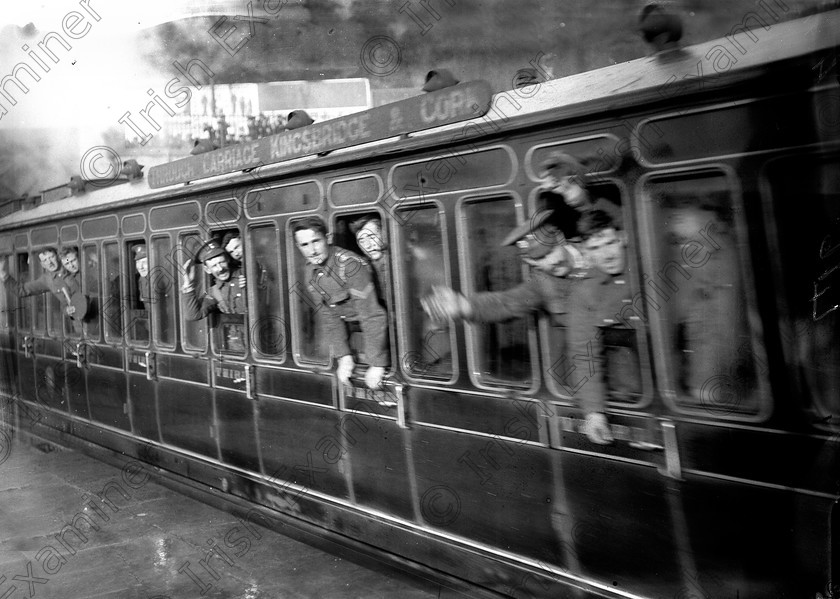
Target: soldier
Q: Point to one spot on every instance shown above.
(77, 304)
(226, 295)
(564, 190)
(232, 243)
(342, 286)
(595, 311)
(141, 265)
(371, 240)
(556, 266)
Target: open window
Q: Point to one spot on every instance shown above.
(307, 337)
(139, 299)
(193, 332)
(366, 235)
(229, 327)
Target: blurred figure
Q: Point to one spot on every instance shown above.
(564, 190)
(710, 313)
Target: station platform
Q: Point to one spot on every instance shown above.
(74, 527)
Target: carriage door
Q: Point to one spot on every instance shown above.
(233, 377)
(184, 397)
(43, 367)
(8, 364)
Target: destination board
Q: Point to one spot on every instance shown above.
(443, 107)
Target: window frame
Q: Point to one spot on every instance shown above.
(252, 276)
(662, 364)
(401, 301)
(470, 329)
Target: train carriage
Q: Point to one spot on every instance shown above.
(471, 463)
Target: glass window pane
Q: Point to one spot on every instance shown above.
(92, 288)
(268, 327)
(162, 292)
(8, 293)
(806, 210)
(501, 350)
(112, 307)
(39, 301)
(24, 304)
(698, 287)
(425, 345)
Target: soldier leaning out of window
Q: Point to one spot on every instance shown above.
(342, 284)
(226, 295)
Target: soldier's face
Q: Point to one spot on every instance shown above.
(142, 266)
(369, 238)
(49, 261)
(218, 267)
(606, 251)
(234, 248)
(71, 262)
(313, 245)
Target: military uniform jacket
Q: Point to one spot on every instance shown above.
(344, 290)
(542, 292)
(594, 302)
(227, 297)
(53, 282)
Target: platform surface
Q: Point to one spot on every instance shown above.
(72, 527)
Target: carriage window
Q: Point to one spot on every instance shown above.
(268, 327)
(501, 350)
(229, 327)
(162, 292)
(139, 298)
(699, 288)
(305, 326)
(194, 331)
(90, 271)
(113, 307)
(425, 345)
(806, 210)
(24, 304)
(39, 301)
(8, 293)
(55, 308)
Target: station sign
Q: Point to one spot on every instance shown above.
(443, 107)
